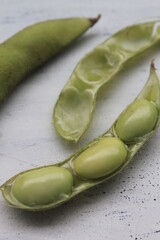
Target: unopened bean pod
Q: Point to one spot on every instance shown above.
(34, 45)
(48, 187)
(75, 106)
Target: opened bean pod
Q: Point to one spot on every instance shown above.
(75, 106)
(34, 45)
(48, 187)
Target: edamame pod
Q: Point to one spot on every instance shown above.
(48, 187)
(75, 106)
(33, 46)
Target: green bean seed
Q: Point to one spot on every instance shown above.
(48, 187)
(42, 186)
(33, 46)
(139, 118)
(101, 159)
(93, 71)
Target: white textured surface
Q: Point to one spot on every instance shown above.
(127, 207)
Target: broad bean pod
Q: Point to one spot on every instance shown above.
(34, 45)
(75, 106)
(48, 187)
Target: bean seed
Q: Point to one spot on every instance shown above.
(101, 159)
(42, 186)
(139, 119)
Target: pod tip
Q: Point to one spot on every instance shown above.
(152, 64)
(94, 20)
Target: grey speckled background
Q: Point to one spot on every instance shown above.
(127, 207)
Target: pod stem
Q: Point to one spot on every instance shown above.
(94, 20)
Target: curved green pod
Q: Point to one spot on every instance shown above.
(75, 106)
(96, 162)
(34, 45)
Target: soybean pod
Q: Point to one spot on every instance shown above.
(34, 45)
(49, 186)
(75, 106)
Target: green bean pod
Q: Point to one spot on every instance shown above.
(75, 106)
(34, 45)
(48, 187)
